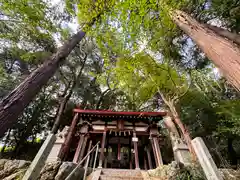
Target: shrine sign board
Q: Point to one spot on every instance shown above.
(134, 139)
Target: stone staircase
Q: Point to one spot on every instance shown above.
(117, 174)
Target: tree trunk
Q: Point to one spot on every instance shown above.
(61, 109)
(224, 53)
(171, 126)
(225, 33)
(185, 132)
(67, 96)
(98, 105)
(13, 105)
(177, 120)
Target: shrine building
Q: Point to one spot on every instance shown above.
(127, 140)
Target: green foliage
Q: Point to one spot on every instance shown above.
(6, 82)
(227, 11)
(192, 172)
(26, 21)
(89, 10)
(229, 117)
(141, 77)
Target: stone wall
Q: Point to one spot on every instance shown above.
(194, 171)
(15, 169)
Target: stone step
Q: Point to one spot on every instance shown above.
(113, 177)
(122, 172)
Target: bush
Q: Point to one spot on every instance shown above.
(174, 172)
(193, 172)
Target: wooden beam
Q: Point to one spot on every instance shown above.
(119, 113)
(154, 151)
(78, 150)
(89, 148)
(145, 161)
(83, 148)
(102, 148)
(158, 152)
(130, 152)
(149, 157)
(135, 144)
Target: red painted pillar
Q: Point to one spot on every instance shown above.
(83, 148)
(155, 146)
(102, 148)
(159, 161)
(66, 145)
(78, 150)
(154, 151)
(135, 144)
(81, 144)
(89, 149)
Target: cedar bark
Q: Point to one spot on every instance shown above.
(225, 33)
(13, 105)
(224, 53)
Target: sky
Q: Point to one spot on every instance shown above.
(73, 25)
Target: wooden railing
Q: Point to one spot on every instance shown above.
(69, 177)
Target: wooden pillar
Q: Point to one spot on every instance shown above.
(145, 161)
(158, 152)
(78, 150)
(66, 145)
(81, 144)
(119, 150)
(155, 146)
(131, 164)
(106, 157)
(150, 165)
(102, 148)
(91, 160)
(89, 148)
(105, 162)
(130, 152)
(135, 144)
(154, 151)
(107, 153)
(83, 148)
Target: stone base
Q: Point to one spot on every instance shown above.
(182, 154)
(53, 156)
(13, 169)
